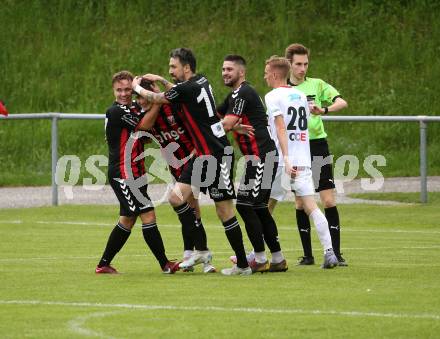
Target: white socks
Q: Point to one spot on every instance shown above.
(260, 257)
(321, 225)
(277, 257)
(187, 253)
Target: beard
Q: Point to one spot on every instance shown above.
(229, 82)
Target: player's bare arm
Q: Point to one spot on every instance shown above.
(155, 98)
(158, 78)
(229, 121)
(243, 129)
(233, 123)
(282, 138)
(149, 118)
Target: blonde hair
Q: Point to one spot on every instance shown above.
(122, 75)
(281, 64)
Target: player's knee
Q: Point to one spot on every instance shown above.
(299, 204)
(327, 198)
(225, 211)
(175, 200)
(271, 205)
(148, 217)
(127, 222)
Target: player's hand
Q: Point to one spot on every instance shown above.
(152, 77)
(290, 170)
(243, 129)
(316, 110)
(136, 81)
(155, 88)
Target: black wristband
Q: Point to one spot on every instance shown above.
(325, 110)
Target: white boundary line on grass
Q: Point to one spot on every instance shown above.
(223, 309)
(343, 229)
(77, 324)
(230, 252)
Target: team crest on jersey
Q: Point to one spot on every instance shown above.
(171, 119)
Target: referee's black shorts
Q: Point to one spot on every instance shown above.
(321, 170)
(132, 202)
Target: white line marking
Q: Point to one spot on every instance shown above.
(224, 309)
(218, 226)
(77, 324)
(389, 231)
(225, 252)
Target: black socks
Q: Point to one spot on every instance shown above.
(115, 242)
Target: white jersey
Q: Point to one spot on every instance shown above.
(292, 105)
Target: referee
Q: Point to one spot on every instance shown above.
(325, 99)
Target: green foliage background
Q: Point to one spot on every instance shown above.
(59, 56)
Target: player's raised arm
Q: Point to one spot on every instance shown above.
(158, 78)
(156, 98)
(149, 119)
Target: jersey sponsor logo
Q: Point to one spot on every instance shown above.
(300, 136)
(294, 96)
(173, 135)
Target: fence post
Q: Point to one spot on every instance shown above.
(423, 161)
(54, 142)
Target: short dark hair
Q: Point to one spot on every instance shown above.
(296, 49)
(185, 56)
(238, 59)
(122, 75)
(146, 84)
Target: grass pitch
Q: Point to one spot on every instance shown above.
(49, 290)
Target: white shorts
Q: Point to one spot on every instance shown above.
(301, 185)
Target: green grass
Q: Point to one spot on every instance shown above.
(410, 197)
(382, 57)
(390, 288)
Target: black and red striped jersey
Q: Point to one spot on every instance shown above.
(245, 103)
(168, 128)
(120, 123)
(198, 114)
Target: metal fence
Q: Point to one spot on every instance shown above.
(421, 119)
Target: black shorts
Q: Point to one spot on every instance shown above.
(212, 173)
(178, 172)
(132, 201)
(185, 174)
(256, 182)
(322, 165)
